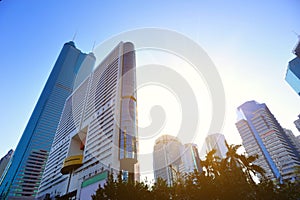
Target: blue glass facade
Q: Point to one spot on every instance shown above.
(293, 71)
(24, 175)
(293, 74)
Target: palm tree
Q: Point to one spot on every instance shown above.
(233, 159)
(211, 163)
(250, 168)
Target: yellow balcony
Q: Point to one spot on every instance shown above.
(71, 163)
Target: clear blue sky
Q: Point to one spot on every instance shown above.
(249, 41)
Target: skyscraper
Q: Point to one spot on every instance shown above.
(172, 159)
(216, 141)
(263, 135)
(297, 123)
(5, 161)
(167, 159)
(97, 132)
(293, 70)
(293, 139)
(24, 175)
(298, 138)
(190, 158)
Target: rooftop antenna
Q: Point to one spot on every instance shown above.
(94, 46)
(75, 34)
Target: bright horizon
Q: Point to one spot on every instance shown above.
(249, 43)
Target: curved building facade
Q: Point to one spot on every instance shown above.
(97, 132)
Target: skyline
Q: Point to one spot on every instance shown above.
(235, 52)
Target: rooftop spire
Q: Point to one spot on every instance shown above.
(75, 34)
(94, 46)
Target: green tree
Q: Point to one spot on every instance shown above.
(120, 189)
(229, 178)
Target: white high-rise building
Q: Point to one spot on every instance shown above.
(97, 132)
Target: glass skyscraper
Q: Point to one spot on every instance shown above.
(293, 70)
(262, 135)
(23, 177)
(4, 162)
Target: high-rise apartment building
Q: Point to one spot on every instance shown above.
(292, 76)
(263, 135)
(216, 141)
(4, 162)
(24, 174)
(97, 132)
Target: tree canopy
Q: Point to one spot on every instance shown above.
(232, 177)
